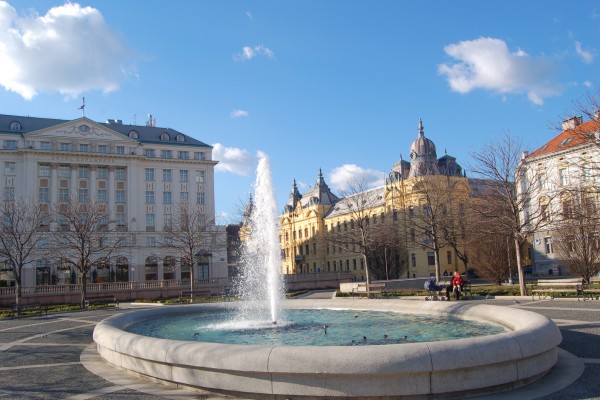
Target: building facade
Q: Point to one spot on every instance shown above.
(309, 218)
(142, 173)
(561, 178)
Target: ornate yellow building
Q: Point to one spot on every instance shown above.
(422, 200)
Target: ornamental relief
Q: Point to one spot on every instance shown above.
(84, 131)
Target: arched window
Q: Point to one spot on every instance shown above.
(133, 134)
(169, 268)
(151, 268)
(185, 268)
(15, 126)
(164, 137)
(122, 269)
(180, 138)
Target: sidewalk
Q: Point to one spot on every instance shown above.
(54, 357)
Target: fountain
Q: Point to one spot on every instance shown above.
(525, 351)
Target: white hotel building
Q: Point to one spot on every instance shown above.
(141, 172)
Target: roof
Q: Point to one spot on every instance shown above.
(581, 134)
(371, 198)
(146, 134)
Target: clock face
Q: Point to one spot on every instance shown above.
(84, 128)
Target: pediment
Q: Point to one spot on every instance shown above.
(82, 128)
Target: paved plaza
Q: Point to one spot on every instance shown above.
(53, 357)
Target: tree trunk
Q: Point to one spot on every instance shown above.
(436, 255)
(522, 286)
(192, 283)
(83, 289)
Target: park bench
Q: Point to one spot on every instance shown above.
(27, 310)
(444, 283)
(552, 287)
(368, 289)
(189, 295)
(101, 300)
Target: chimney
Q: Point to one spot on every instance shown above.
(571, 123)
(597, 115)
(524, 155)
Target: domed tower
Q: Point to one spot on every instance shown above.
(293, 200)
(423, 158)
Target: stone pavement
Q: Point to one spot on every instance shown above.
(53, 357)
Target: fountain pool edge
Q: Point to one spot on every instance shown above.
(458, 367)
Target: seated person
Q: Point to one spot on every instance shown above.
(455, 286)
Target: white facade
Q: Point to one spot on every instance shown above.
(142, 173)
(565, 165)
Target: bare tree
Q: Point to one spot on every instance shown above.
(506, 211)
(23, 226)
(357, 235)
(388, 256)
(193, 237)
(577, 235)
(84, 239)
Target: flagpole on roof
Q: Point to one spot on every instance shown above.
(82, 108)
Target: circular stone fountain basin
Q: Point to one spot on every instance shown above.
(455, 368)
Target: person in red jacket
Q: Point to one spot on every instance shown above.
(456, 286)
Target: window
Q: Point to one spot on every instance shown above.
(45, 145)
(544, 214)
(9, 193)
(120, 218)
(183, 175)
(543, 181)
(183, 197)
(10, 144)
(102, 196)
(449, 257)
(548, 245)
(199, 155)
(180, 138)
(15, 126)
(133, 134)
(149, 174)
(84, 171)
(10, 168)
(200, 198)
(164, 137)
(84, 195)
(151, 241)
(120, 149)
(587, 172)
(64, 171)
(120, 196)
(167, 175)
(84, 147)
(63, 195)
(149, 220)
(563, 177)
(64, 146)
(44, 170)
(102, 173)
(183, 155)
(430, 258)
(120, 173)
(166, 197)
(165, 154)
(149, 153)
(102, 148)
(413, 259)
(44, 195)
(149, 197)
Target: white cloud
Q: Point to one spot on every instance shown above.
(348, 174)
(587, 56)
(487, 63)
(69, 50)
(234, 160)
(249, 15)
(238, 113)
(248, 53)
(588, 84)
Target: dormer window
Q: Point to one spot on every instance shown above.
(180, 138)
(133, 134)
(164, 137)
(15, 126)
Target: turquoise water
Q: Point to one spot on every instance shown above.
(312, 328)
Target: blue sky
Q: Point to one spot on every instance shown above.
(337, 85)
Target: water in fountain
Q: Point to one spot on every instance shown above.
(260, 284)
